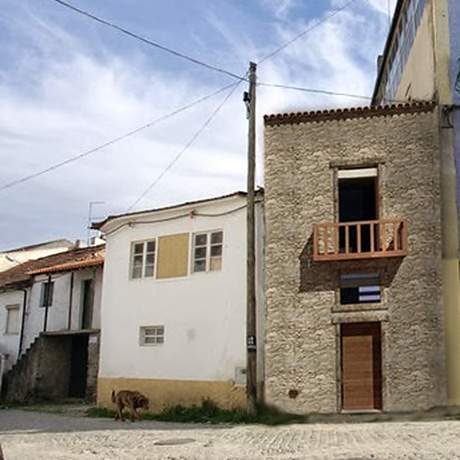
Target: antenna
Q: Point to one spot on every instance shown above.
(91, 204)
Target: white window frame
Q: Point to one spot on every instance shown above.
(159, 332)
(144, 259)
(208, 246)
(9, 308)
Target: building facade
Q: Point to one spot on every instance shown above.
(50, 320)
(12, 257)
(174, 303)
(354, 261)
(421, 61)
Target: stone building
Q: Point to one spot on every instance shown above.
(353, 260)
(421, 61)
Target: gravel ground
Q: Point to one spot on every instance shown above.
(36, 436)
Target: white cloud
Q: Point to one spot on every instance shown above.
(279, 7)
(75, 101)
(385, 7)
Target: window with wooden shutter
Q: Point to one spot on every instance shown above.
(172, 256)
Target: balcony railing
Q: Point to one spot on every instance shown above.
(360, 240)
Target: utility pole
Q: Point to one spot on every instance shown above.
(251, 367)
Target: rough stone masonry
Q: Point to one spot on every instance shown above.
(302, 155)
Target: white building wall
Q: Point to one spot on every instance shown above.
(9, 343)
(204, 314)
(58, 312)
(12, 258)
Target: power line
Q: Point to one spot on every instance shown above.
(113, 141)
(323, 91)
(185, 148)
(306, 31)
(148, 41)
(314, 91)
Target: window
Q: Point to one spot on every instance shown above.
(46, 299)
(152, 335)
(207, 251)
(359, 288)
(173, 256)
(12, 319)
(143, 259)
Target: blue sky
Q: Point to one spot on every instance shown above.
(68, 84)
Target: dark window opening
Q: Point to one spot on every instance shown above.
(87, 304)
(360, 288)
(46, 299)
(357, 203)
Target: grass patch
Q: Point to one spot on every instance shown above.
(209, 412)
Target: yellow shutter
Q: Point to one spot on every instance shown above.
(172, 255)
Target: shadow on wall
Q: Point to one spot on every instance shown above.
(325, 276)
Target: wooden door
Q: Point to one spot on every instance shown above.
(361, 363)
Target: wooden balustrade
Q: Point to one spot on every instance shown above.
(359, 240)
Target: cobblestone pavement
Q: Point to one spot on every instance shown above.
(37, 436)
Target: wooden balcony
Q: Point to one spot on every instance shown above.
(359, 240)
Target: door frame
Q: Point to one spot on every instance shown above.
(369, 318)
(82, 300)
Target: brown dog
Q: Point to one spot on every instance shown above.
(132, 400)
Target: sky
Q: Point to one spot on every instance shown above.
(68, 84)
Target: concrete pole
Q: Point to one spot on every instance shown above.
(251, 372)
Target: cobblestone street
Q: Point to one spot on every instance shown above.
(36, 436)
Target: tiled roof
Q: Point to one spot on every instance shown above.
(64, 261)
(92, 260)
(343, 114)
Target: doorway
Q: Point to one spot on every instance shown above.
(361, 366)
(358, 202)
(78, 366)
(87, 304)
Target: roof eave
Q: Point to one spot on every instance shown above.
(189, 204)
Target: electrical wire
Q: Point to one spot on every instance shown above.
(323, 91)
(314, 91)
(306, 31)
(186, 147)
(148, 41)
(113, 141)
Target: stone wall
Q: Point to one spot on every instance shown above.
(303, 312)
(42, 373)
(92, 367)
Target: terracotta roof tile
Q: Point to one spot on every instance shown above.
(348, 113)
(64, 261)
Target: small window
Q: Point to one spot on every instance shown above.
(152, 335)
(12, 319)
(360, 288)
(143, 259)
(46, 299)
(207, 251)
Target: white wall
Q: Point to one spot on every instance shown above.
(204, 314)
(13, 258)
(58, 312)
(9, 343)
